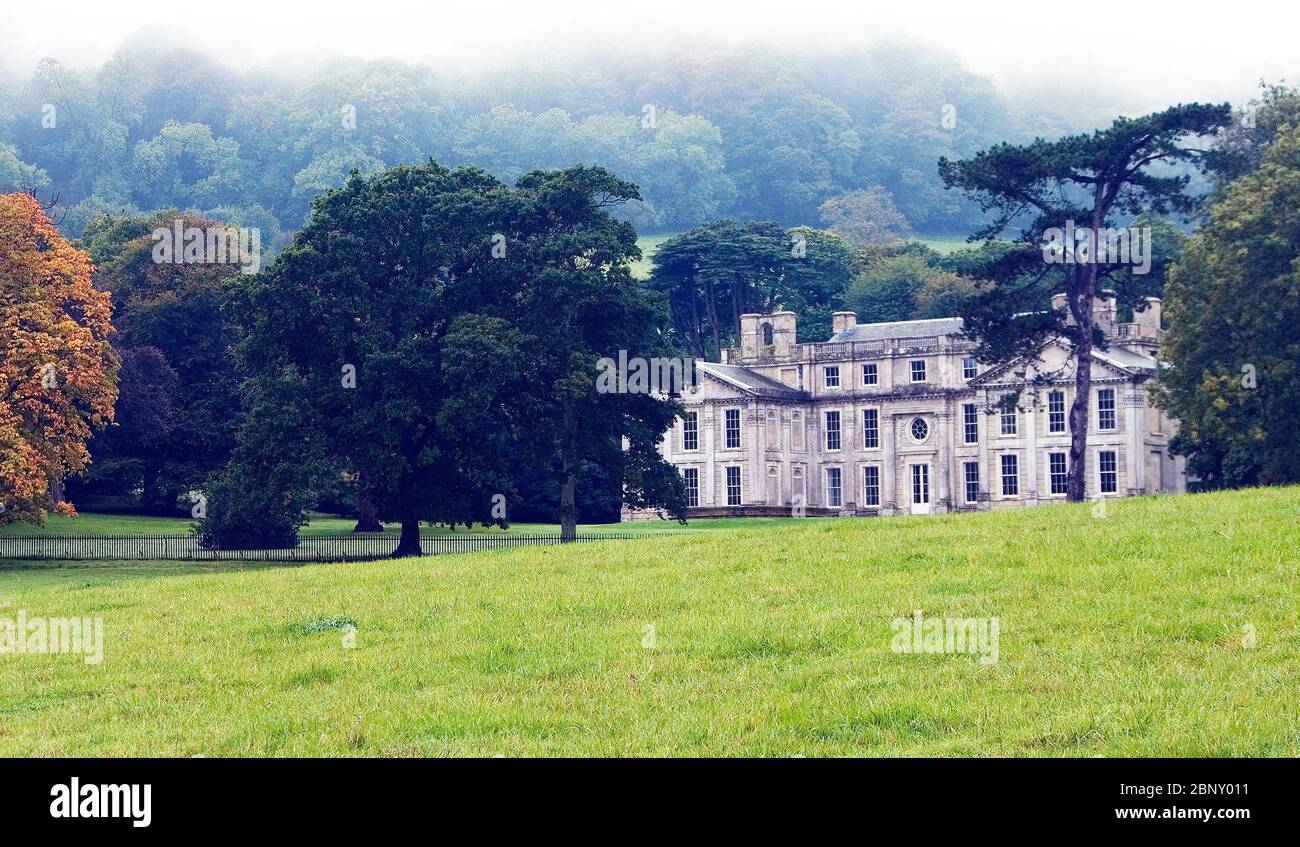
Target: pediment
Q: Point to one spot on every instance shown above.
(1054, 362)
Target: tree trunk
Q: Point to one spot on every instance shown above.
(409, 545)
(569, 468)
(1080, 298)
(568, 510)
(367, 514)
(697, 332)
(711, 309)
(155, 499)
(1076, 482)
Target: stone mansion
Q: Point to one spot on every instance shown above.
(896, 418)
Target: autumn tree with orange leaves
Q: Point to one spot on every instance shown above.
(58, 374)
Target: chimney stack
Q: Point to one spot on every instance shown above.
(1148, 320)
(749, 340)
(1059, 304)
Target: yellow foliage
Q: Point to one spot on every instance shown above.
(58, 373)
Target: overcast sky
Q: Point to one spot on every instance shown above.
(1141, 53)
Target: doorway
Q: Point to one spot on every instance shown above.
(921, 489)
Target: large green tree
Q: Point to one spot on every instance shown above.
(426, 328)
(172, 310)
(368, 323)
(1086, 182)
(1233, 347)
(865, 217)
(584, 305)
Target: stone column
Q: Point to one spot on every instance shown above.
(709, 486)
(849, 441)
(888, 476)
(1031, 450)
(984, 433)
(787, 449)
(1135, 420)
(946, 459)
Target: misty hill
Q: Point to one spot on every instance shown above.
(706, 131)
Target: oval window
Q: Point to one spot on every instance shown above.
(920, 429)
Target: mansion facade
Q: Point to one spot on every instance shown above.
(897, 418)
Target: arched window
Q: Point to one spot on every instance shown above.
(767, 335)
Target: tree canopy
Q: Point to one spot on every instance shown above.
(172, 310)
(1076, 184)
(715, 273)
(420, 322)
(1233, 346)
(58, 373)
(705, 131)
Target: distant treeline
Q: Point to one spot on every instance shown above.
(746, 133)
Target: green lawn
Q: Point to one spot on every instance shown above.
(944, 244)
(1167, 627)
(648, 245)
(92, 523)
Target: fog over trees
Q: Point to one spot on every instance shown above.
(706, 132)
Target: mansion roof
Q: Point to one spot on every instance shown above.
(928, 328)
(751, 368)
(750, 382)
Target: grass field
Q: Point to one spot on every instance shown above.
(944, 244)
(92, 523)
(1166, 627)
(648, 245)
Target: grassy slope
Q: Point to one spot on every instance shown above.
(648, 245)
(1119, 636)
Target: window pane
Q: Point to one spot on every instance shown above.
(1106, 408)
(733, 486)
(1010, 475)
(1057, 474)
(1009, 416)
(1056, 411)
(834, 493)
(1108, 470)
(871, 486)
(870, 428)
(733, 429)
